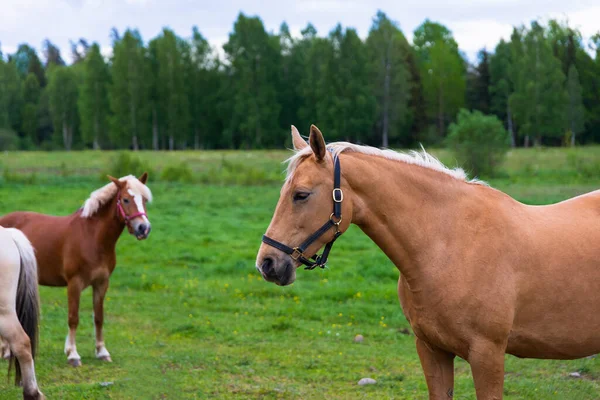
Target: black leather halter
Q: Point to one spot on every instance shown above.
(297, 253)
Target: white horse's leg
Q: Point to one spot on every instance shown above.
(19, 343)
(4, 349)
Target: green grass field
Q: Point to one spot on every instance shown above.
(188, 316)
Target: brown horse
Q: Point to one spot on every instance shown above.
(481, 274)
(79, 250)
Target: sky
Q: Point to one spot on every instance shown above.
(475, 23)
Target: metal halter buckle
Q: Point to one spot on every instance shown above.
(296, 254)
(341, 195)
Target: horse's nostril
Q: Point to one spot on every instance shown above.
(267, 266)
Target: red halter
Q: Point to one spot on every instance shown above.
(126, 217)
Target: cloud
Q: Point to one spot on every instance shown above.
(472, 36)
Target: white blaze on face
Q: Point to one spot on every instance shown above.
(139, 202)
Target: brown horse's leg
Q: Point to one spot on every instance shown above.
(100, 289)
(74, 288)
(19, 342)
(487, 364)
(438, 367)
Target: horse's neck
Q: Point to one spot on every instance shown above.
(409, 211)
(106, 224)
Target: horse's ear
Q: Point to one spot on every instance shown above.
(115, 181)
(297, 140)
(143, 178)
(317, 143)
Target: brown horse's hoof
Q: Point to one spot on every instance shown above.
(105, 358)
(74, 362)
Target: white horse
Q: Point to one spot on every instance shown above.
(19, 307)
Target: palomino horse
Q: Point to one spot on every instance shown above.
(481, 274)
(79, 250)
(19, 307)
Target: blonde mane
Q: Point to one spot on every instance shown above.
(105, 193)
(420, 158)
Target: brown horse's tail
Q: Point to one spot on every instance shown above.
(28, 300)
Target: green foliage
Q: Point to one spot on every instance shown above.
(8, 139)
(586, 167)
(93, 99)
(173, 55)
(63, 93)
(254, 58)
(539, 98)
(178, 93)
(575, 109)
(9, 177)
(126, 163)
(479, 141)
(478, 84)
(442, 72)
(502, 84)
(129, 92)
(177, 173)
(388, 50)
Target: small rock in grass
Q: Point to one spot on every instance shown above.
(105, 384)
(575, 375)
(367, 381)
(358, 339)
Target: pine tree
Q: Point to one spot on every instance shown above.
(29, 113)
(172, 101)
(52, 54)
(255, 60)
(203, 92)
(293, 60)
(442, 72)
(575, 110)
(312, 52)
(539, 97)
(63, 93)
(391, 78)
(93, 100)
(128, 93)
(478, 84)
(501, 86)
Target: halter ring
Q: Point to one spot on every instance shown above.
(331, 218)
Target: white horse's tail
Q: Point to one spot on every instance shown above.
(28, 300)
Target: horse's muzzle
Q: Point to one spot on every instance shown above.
(142, 231)
(280, 276)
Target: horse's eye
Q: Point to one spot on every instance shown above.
(126, 201)
(299, 196)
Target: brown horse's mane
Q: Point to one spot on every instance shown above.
(101, 196)
(421, 158)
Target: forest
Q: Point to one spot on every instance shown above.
(174, 92)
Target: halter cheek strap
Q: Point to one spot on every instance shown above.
(297, 253)
(127, 218)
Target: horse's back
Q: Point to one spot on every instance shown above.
(48, 235)
(557, 313)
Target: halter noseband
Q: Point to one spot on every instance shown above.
(297, 253)
(121, 212)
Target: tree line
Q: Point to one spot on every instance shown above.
(178, 93)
